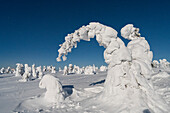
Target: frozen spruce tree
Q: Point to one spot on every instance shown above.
(155, 64)
(19, 70)
(65, 71)
(44, 69)
(164, 64)
(53, 70)
(8, 70)
(27, 75)
(89, 70)
(59, 69)
(54, 92)
(70, 68)
(103, 68)
(39, 72)
(34, 74)
(127, 87)
(2, 70)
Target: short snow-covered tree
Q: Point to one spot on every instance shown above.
(65, 71)
(27, 74)
(59, 69)
(34, 74)
(53, 70)
(2, 70)
(44, 69)
(89, 70)
(155, 64)
(164, 63)
(54, 92)
(19, 70)
(103, 68)
(39, 72)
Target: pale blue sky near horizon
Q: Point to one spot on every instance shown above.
(31, 30)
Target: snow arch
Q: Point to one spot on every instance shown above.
(129, 68)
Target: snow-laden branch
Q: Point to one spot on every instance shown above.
(104, 35)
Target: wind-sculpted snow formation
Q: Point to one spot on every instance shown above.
(127, 87)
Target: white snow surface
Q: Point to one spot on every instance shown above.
(27, 96)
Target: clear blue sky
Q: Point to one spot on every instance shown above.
(31, 30)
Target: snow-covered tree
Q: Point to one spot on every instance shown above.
(34, 74)
(65, 71)
(164, 63)
(54, 92)
(8, 70)
(39, 72)
(128, 84)
(49, 68)
(44, 69)
(59, 69)
(103, 68)
(19, 70)
(70, 68)
(27, 74)
(89, 70)
(2, 70)
(53, 70)
(155, 64)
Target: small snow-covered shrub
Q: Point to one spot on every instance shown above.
(54, 92)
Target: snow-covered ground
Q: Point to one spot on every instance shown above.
(13, 93)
